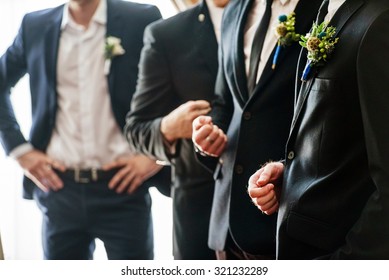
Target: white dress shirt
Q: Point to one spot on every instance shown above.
(333, 6)
(255, 15)
(86, 134)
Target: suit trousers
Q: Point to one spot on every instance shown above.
(233, 252)
(80, 212)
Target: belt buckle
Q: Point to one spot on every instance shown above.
(78, 178)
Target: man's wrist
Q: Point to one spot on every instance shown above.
(166, 132)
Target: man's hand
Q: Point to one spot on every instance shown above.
(134, 170)
(178, 124)
(207, 137)
(265, 187)
(38, 167)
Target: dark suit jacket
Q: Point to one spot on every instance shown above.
(34, 52)
(257, 129)
(335, 200)
(178, 64)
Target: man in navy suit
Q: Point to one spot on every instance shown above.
(82, 60)
(248, 100)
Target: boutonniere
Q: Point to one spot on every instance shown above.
(112, 48)
(320, 43)
(286, 34)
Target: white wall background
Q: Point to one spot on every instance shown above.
(20, 220)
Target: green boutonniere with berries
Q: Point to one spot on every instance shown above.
(286, 34)
(320, 43)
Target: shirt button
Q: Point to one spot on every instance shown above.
(247, 115)
(238, 169)
(291, 155)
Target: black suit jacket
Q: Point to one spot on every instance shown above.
(335, 199)
(34, 52)
(257, 129)
(178, 64)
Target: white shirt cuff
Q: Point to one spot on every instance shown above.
(21, 150)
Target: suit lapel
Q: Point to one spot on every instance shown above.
(302, 24)
(206, 42)
(342, 15)
(113, 29)
(52, 36)
(239, 63)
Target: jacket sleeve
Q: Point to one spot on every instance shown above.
(153, 99)
(222, 110)
(368, 238)
(222, 106)
(12, 69)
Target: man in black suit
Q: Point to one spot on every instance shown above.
(334, 200)
(82, 60)
(177, 75)
(244, 112)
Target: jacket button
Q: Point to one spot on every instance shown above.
(247, 116)
(238, 169)
(291, 155)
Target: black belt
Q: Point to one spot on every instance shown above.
(88, 175)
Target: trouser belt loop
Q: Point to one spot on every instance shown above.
(94, 173)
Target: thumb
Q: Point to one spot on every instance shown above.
(264, 176)
(200, 121)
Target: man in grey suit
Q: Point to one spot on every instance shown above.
(82, 60)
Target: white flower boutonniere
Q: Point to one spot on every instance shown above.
(112, 48)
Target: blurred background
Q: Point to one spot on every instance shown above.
(20, 220)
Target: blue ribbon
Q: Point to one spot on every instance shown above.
(306, 71)
(276, 54)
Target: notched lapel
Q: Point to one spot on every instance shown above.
(302, 25)
(239, 63)
(51, 51)
(304, 90)
(51, 45)
(340, 18)
(113, 29)
(344, 13)
(206, 43)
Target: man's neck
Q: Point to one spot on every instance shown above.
(82, 11)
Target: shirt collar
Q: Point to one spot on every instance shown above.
(100, 15)
(282, 2)
(335, 4)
